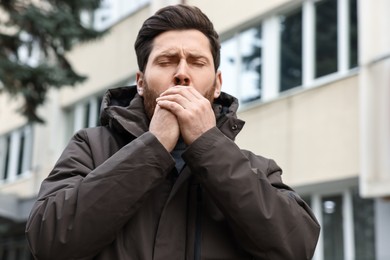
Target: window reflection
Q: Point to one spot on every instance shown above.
(21, 153)
(353, 34)
(326, 37)
(332, 227)
(98, 109)
(228, 66)
(241, 55)
(241, 65)
(7, 156)
(16, 153)
(291, 51)
(250, 46)
(87, 112)
(364, 226)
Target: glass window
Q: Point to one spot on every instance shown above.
(98, 110)
(364, 226)
(347, 225)
(87, 112)
(21, 152)
(16, 153)
(241, 65)
(111, 11)
(228, 66)
(291, 51)
(250, 72)
(310, 48)
(326, 38)
(14, 248)
(84, 114)
(353, 34)
(5, 156)
(332, 225)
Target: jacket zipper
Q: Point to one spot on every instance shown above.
(198, 223)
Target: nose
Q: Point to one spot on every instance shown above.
(182, 76)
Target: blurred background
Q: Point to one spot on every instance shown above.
(312, 77)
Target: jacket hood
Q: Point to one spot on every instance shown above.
(122, 109)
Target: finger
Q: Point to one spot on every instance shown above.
(187, 91)
(177, 98)
(171, 106)
(178, 94)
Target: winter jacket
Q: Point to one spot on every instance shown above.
(115, 193)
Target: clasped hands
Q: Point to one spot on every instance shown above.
(181, 110)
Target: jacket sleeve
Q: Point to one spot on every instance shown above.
(268, 219)
(80, 207)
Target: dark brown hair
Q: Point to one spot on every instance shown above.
(175, 17)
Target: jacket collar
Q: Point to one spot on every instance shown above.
(122, 109)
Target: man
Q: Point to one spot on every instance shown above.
(162, 177)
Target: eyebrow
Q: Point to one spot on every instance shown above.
(171, 53)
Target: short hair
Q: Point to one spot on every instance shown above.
(175, 17)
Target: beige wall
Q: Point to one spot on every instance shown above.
(9, 118)
(374, 81)
(312, 135)
(107, 61)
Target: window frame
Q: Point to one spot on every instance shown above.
(345, 188)
(16, 155)
(111, 12)
(236, 40)
(270, 70)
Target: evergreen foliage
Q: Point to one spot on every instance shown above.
(34, 39)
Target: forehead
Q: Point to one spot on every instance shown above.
(181, 41)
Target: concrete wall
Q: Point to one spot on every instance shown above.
(313, 135)
(374, 82)
(107, 61)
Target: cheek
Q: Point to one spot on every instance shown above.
(159, 81)
(205, 83)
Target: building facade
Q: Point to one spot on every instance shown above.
(313, 81)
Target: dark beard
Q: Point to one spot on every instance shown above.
(150, 103)
(151, 95)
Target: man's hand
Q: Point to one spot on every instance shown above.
(192, 110)
(165, 127)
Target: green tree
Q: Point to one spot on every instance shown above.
(34, 39)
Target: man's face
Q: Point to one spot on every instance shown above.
(178, 58)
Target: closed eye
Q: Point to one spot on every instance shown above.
(198, 62)
(166, 60)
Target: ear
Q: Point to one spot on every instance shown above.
(140, 83)
(218, 84)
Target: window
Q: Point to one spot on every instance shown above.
(16, 153)
(14, 248)
(336, 36)
(111, 11)
(347, 225)
(353, 34)
(332, 225)
(326, 51)
(364, 227)
(241, 65)
(84, 114)
(250, 46)
(229, 63)
(291, 51)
